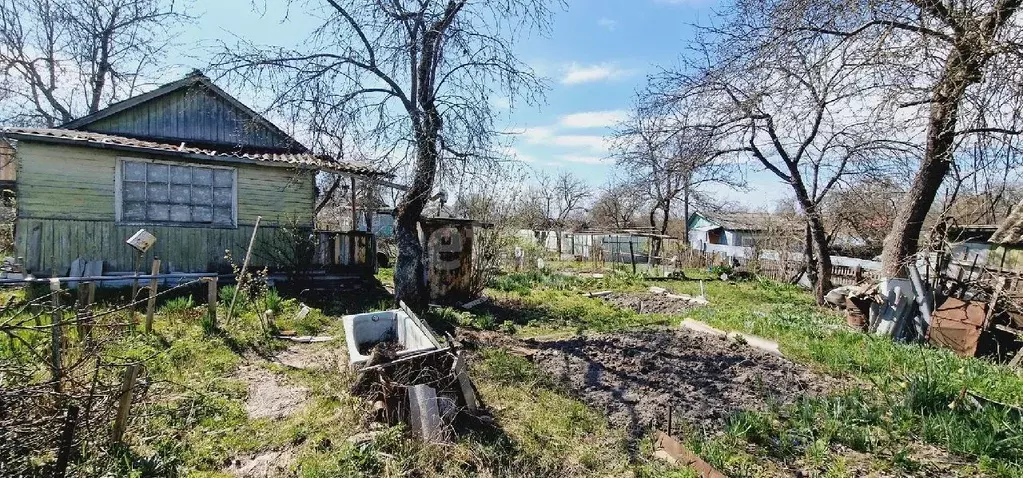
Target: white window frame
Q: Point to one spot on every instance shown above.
(119, 188)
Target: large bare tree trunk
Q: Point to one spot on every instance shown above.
(964, 67)
(819, 239)
(685, 214)
(410, 266)
(903, 240)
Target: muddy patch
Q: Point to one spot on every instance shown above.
(635, 376)
(270, 396)
(265, 464)
(648, 303)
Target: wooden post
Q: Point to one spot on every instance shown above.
(211, 299)
(151, 304)
(123, 406)
(857, 274)
(134, 290)
(354, 221)
(86, 296)
(67, 437)
(632, 255)
(245, 266)
(55, 333)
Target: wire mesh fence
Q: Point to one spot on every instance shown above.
(67, 381)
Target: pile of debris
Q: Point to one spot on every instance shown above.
(408, 374)
(657, 300)
(973, 316)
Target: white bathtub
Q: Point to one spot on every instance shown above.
(395, 324)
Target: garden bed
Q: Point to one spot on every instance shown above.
(635, 376)
(648, 303)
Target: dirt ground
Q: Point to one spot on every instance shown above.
(635, 376)
(272, 396)
(647, 303)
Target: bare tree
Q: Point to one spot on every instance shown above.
(669, 164)
(413, 78)
(796, 107)
(954, 66)
(66, 58)
(617, 204)
(562, 196)
(861, 210)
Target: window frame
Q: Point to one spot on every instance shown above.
(119, 194)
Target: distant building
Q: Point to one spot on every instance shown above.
(733, 229)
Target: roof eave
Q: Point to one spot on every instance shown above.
(194, 156)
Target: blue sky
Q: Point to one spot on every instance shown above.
(597, 56)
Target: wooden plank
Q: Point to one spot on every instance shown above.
(124, 403)
(151, 302)
(674, 452)
(56, 335)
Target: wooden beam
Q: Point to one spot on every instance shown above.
(673, 452)
(354, 220)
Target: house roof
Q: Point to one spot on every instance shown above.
(190, 81)
(122, 143)
(1010, 232)
(741, 221)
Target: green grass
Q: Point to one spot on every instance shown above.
(897, 394)
(897, 397)
(192, 419)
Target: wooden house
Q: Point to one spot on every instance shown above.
(739, 230)
(188, 163)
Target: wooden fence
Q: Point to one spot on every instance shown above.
(351, 250)
(780, 269)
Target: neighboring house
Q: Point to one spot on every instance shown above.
(740, 229)
(187, 162)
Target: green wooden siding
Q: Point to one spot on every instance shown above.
(66, 182)
(66, 211)
(52, 244)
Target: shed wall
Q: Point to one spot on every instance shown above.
(66, 210)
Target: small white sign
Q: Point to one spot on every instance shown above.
(141, 241)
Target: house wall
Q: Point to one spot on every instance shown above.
(66, 210)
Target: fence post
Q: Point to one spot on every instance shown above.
(151, 304)
(858, 274)
(86, 294)
(67, 437)
(123, 406)
(632, 255)
(55, 332)
(211, 299)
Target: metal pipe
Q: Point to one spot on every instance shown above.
(182, 275)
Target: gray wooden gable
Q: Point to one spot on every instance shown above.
(192, 110)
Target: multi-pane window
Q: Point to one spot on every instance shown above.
(160, 192)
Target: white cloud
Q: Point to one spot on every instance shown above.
(593, 119)
(573, 158)
(500, 103)
(517, 155)
(593, 143)
(576, 74)
(609, 24)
